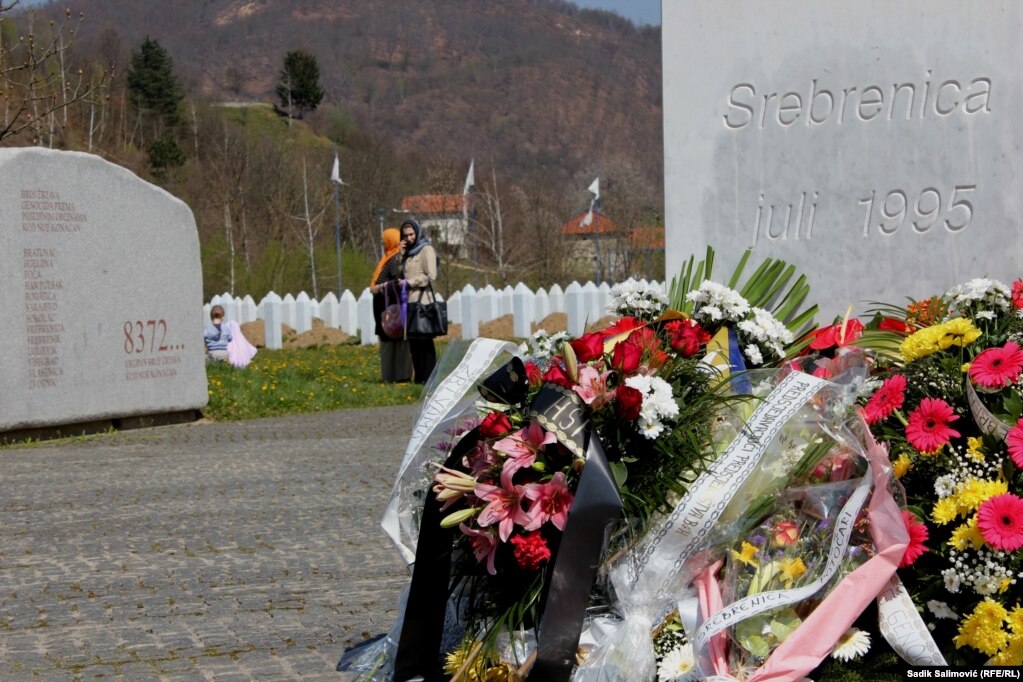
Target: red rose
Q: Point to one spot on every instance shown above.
(626, 356)
(556, 375)
(530, 550)
(628, 402)
(588, 347)
(533, 373)
(495, 424)
(688, 337)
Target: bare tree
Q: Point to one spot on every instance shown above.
(490, 229)
(312, 225)
(35, 83)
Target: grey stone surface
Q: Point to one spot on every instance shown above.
(100, 283)
(874, 144)
(246, 551)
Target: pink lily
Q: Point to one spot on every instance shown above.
(504, 507)
(520, 449)
(592, 387)
(484, 545)
(450, 485)
(551, 502)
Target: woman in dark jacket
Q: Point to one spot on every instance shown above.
(395, 358)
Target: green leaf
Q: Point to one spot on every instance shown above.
(1013, 405)
(620, 472)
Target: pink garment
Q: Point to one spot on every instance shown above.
(239, 351)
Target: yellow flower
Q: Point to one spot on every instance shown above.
(1004, 585)
(967, 535)
(1016, 621)
(454, 661)
(974, 492)
(945, 510)
(982, 629)
(791, 569)
(1012, 654)
(974, 448)
(965, 368)
(746, 555)
(902, 465)
(958, 331)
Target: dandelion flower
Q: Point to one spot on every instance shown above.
(1000, 520)
(853, 644)
(928, 430)
(677, 664)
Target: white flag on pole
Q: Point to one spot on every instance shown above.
(593, 189)
(335, 173)
(470, 179)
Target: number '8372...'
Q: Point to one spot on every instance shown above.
(142, 336)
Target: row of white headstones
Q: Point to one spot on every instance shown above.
(581, 303)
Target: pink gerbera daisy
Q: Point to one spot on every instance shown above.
(928, 429)
(886, 400)
(1014, 441)
(1000, 519)
(917, 537)
(997, 367)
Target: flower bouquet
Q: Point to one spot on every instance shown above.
(529, 479)
(949, 407)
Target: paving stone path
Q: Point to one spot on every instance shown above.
(230, 551)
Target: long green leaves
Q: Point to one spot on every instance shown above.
(763, 289)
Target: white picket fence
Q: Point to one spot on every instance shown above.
(582, 303)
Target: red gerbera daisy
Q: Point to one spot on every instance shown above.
(1017, 294)
(1014, 441)
(997, 367)
(928, 429)
(886, 400)
(917, 537)
(1000, 519)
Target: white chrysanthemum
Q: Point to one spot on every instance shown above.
(638, 299)
(677, 664)
(982, 291)
(853, 644)
(952, 580)
(944, 485)
(650, 430)
(657, 405)
(940, 609)
(715, 301)
(752, 351)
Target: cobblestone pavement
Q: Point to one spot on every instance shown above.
(229, 551)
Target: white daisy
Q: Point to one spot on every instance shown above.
(853, 644)
(952, 580)
(944, 485)
(677, 664)
(940, 609)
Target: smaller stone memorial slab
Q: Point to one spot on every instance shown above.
(101, 284)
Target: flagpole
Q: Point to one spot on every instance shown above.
(337, 225)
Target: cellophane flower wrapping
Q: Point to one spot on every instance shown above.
(450, 400)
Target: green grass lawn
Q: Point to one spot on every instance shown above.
(283, 382)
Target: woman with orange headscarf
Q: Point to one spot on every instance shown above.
(395, 358)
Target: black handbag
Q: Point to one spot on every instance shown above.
(427, 319)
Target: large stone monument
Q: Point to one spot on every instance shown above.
(876, 145)
(100, 286)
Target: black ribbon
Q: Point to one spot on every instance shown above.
(596, 506)
(423, 627)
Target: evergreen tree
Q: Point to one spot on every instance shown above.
(154, 87)
(299, 89)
